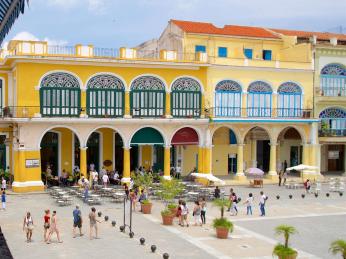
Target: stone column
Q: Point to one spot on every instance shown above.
(254, 153)
(200, 159)
(272, 174)
(127, 106)
(83, 161)
(167, 163)
(126, 166)
(168, 105)
(208, 160)
(240, 163)
(306, 154)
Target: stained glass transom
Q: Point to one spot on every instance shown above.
(259, 87)
(334, 69)
(105, 81)
(186, 84)
(333, 113)
(147, 83)
(60, 79)
(228, 86)
(289, 87)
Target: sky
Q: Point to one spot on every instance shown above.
(115, 23)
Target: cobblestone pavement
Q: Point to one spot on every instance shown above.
(318, 220)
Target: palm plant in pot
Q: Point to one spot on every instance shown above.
(338, 247)
(144, 182)
(283, 251)
(169, 190)
(222, 225)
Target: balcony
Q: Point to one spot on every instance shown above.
(255, 112)
(331, 86)
(215, 112)
(332, 133)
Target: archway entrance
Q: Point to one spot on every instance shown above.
(224, 152)
(184, 150)
(105, 150)
(147, 149)
(59, 151)
(290, 149)
(259, 141)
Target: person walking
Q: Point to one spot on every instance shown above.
(217, 192)
(105, 180)
(197, 214)
(180, 202)
(3, 184)
(280, 177)
(285, 178)
(86, 189)
(184, 214)
(234, 201)
(77, 221)
(249, 203)
(133, 199)
(28, 226)
(230, 199)
(46, 224)
(93, 223)
(3, 200)
(203, 210)
(262, 203)
(53, 228)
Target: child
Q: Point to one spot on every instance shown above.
(249, 202)
(3, 200)
(184, 214)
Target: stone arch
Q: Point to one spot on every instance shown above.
(149, 76)
(190, 127)
(283, 130)
(175, 80)
(266, 129)
(80, 83)
(121, 134)
(335, 69)
(236, 133)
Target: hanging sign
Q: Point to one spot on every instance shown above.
(30, 163)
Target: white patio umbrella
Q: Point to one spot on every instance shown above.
(209, 177)
(302, 168)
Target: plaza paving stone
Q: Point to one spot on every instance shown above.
(318, 220)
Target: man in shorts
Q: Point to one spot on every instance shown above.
(77, 221)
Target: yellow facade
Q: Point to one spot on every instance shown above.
(227, 145)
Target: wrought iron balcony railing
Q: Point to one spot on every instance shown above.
(332, 133)
(216, 112)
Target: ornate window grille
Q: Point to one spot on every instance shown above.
(60, 95)
(333, 80)
(148, 97)
(186, 98)
(289, 100)
(228, 99)
(259, 100)
(105, 96)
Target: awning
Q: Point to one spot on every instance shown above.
(9, 12)
(147, 136)
(185, 136)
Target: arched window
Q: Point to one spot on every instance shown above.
(289, 100)
(186, 98)
(333, 80)
(105, 96)
(259, 100)
(60, 95)
(228, 99)
(147, 97)
(333, 122)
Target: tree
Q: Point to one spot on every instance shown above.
(222, 203)
(286, 231)
(338, 247)
(170, 189)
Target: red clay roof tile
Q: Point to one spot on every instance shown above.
(308, 34)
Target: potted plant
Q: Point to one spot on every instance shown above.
(338, 247)
(146, 206)
(283, 251)
(169, 190)
(173, 208)
(222, 225)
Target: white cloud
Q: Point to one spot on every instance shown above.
(65, 4)
(25, 35)
(97, 6)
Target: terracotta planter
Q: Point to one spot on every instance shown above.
(289, 257)
(167, 219)
(222, 233)
(174, 211)
(146, 208)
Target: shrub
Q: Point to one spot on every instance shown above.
(172, 206)
(338, 247)
(146, 202)
(166, 212)
(283, 252)
(224, 223)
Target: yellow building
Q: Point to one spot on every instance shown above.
(215, 100)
